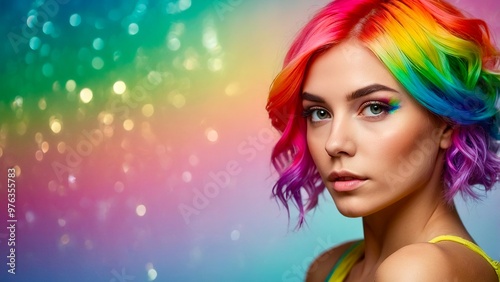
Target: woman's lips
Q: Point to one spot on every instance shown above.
(344, 181)
(347, 185)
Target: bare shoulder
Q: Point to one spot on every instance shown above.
(416, 262)
(323, 264)
(446, 261)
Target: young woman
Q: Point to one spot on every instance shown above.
(391, 106)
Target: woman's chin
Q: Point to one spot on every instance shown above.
(353, 212)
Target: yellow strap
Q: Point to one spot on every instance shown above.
(341, 270)
(471, 246)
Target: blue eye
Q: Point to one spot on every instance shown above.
(374, 109)
(316, 114)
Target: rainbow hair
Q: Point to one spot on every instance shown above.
(446, 62)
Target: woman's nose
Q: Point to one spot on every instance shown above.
(340, 141)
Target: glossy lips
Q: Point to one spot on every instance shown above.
(344, 181)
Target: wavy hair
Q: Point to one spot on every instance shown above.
(446, 62)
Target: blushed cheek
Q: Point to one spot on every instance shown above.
(412, 159)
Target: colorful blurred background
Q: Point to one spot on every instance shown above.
(141, 145)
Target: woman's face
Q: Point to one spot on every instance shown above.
(372, 144)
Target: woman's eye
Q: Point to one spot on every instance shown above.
(374, 110)
(317, 115)
(320, 115)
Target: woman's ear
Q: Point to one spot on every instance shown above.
(446, 134)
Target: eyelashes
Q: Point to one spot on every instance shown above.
(374, 109)
(369, 110)
(316, 114)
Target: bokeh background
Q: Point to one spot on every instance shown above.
(141, 143)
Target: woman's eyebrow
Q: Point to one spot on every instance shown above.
(312, 97)
(353, 96)
(368, 90)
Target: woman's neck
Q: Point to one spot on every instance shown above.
(418, 217)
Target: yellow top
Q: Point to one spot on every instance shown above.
(345, 263)
(495, 264)
(352, 255)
